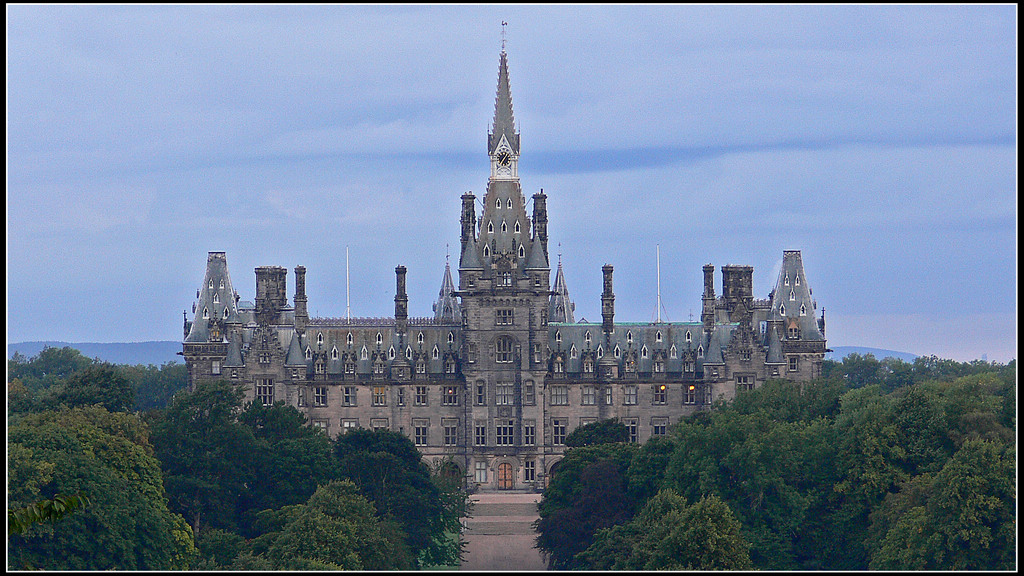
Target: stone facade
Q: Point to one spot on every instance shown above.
(502, 372)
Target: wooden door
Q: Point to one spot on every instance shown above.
(505, 478)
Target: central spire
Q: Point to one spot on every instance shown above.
(504, 120)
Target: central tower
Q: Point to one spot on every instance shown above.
(505, 288)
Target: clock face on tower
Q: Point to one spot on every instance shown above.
(504, 158)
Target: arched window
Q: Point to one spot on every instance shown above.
(380, 339)
(517, 227)
(689, 338)
(657, 337)
(558, 335)
(487, 251)
(672, 352)
(572, 352)
(363, 354)
(522, 251)
(586, 337)
(320, 338)
(435, 353)
(490, 228)
(643, 351)
(509, 203)
(391, 353)
(504, 348)
(451, 337)
(334, 353)
(309, 353)
(617, 351)
(419, 338)
(629, 336)
(504, 228)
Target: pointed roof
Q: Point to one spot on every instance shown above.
(504, 120)
(215, 299)
(560, 307)
(447, 308)
(791, 299)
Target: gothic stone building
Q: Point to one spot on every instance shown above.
(502, 372)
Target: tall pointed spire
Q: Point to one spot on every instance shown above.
(504, 120)
(560, 307)
(447, 308)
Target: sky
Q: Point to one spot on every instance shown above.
(881, 141)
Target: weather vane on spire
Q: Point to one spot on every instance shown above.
(503, 24)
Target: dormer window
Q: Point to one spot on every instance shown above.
(517, 227)
(657, 337)
(206, 312)
(435, 353)
(490, 226)
(803, 310)
(419, 338)
(672, 352)
(348, 339)
(785, 282)
(700, 351)
(792, 295)
(451, 337)
(391, 353)
(504, 228)
(487, 251)
(497, 203)
(586, 337)
(216, 298)
(380, 339)
(408, 353)
(363, 355)
(309, 353)
(558, 335)
(572, 352)
(211, 283)
(643, 352)
(334, 353)
(629, 336)
(221, 283)
(688, 337)
(796, 280)
(617, 351)
(600, 352)
(509, 203)
(522, 251)
(320, 338)
(782, 309)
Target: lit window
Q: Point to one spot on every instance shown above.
(380, 396)
(690, 394)
(450, 396)
(660, 394)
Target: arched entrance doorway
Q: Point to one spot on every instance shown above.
(506, 481)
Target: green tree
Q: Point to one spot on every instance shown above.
(289, 460)
(206, 455)
(101, 384)
(390, 473)
(587, 492)
(338, 529)
(107, 456)
(155, 386)
(600, 432)
(668, 534)
(961, 518)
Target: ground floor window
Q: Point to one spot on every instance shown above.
(529, 471)
(481, 472)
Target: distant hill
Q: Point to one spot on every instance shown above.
(840, 352)
(156, 353)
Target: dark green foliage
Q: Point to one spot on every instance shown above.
(882, 465)
(600, 432)
(206, 455)
(155, 386)
(51, 366)
(289, 460)
(102, 384)
(389, 471)
(668, 534)
(126, 525)
(337, 529)
(588, 492)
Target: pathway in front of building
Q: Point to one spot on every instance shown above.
(500, 534)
